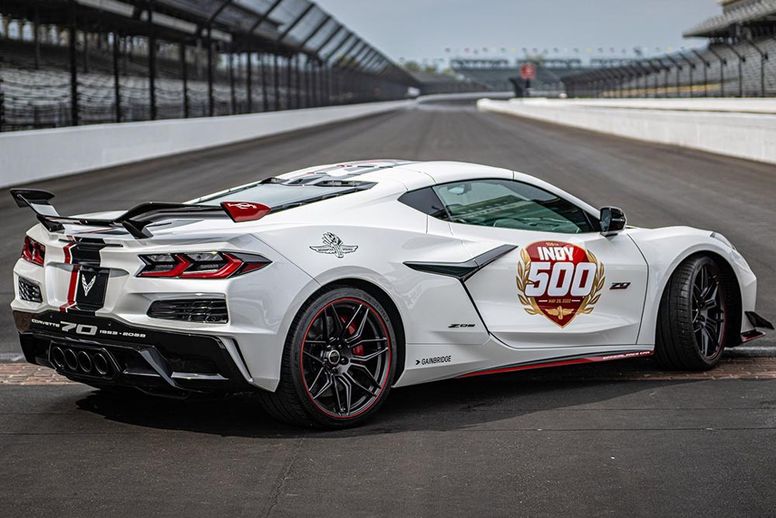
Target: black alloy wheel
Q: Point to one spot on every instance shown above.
(346, 358)
(708, 311)
(696, 318)
(339, 361)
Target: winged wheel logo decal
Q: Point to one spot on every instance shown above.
(332, 244)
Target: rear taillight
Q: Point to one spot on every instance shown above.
(33, 251)
(201, 265)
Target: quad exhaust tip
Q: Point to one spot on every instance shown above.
(58, 357)
(85, 362)
(81, 361)
(101, 364)
(71, 360)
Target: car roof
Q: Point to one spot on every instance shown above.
(391, 177)
(417, 174)
(413, 174)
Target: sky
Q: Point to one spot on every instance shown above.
(434, 29)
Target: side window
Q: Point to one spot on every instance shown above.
(511, 204)
(426, 201)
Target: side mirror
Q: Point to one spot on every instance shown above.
(613, 221)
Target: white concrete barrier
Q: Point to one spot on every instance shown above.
(740, 128)
(28, 156)
(703, 104)
(464, 96)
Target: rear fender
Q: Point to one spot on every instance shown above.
(431, 307)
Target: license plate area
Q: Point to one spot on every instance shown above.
(88, 286)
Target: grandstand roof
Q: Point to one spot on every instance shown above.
(736, 12)
(280, 26)
(425, 77)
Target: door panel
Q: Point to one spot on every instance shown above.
(559, 289)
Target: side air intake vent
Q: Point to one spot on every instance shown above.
(29, 291)
(211, 311)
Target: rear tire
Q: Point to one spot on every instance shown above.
(338, 363)
(693, 325)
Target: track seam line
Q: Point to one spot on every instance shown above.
(280, 482)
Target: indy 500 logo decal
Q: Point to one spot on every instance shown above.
(559, 280)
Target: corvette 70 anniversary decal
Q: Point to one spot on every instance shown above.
(559, 280)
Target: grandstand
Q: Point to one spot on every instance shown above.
(736, 61)
(437, 83)
(500, 74)
(70, 62)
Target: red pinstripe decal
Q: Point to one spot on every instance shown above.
(71, 289)
(751, 335)
(73, 279)
(559, 363)
(68, 254)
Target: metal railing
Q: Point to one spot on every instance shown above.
(69, 62)
(42, 98)
(743, 69)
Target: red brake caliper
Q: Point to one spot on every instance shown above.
(359, 349)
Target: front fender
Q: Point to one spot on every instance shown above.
(666, 248)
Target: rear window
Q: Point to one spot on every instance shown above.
(279, 194)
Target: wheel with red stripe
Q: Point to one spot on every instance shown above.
(338, 364)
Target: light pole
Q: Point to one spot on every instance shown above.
(690, 69)
(645, 75)
(722, 63)
(656, 69)
(741, 61)
(706, 66)
(678, 72)
(763, 58)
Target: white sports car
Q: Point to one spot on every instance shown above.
(324, 288)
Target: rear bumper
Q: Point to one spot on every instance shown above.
(106, 352)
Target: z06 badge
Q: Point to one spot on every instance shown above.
(559, 280)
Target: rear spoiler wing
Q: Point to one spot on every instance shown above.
(136, 219)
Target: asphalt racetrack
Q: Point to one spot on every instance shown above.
(538, 444)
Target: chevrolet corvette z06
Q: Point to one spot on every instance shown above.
(322, 289)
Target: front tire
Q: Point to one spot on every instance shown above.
(338, 363)
(694, 316)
